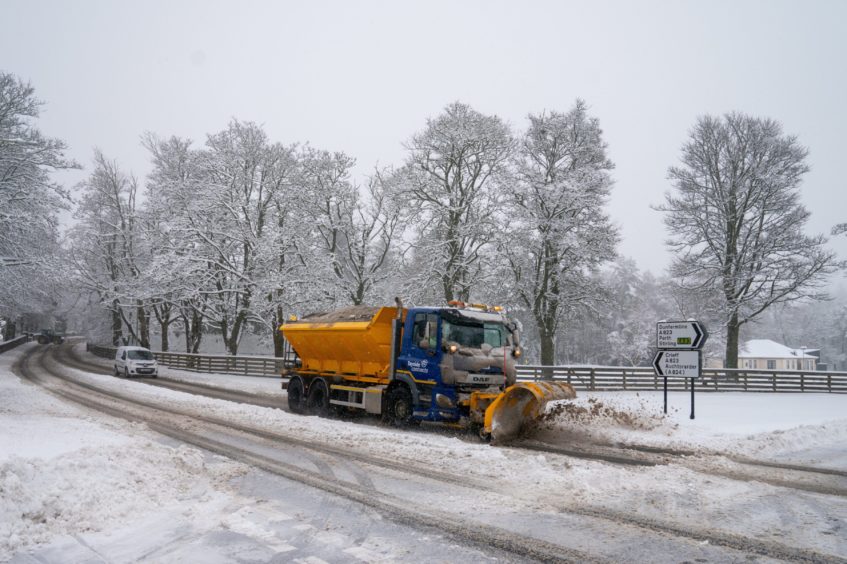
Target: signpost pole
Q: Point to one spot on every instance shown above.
(692, 398)
(666, 395)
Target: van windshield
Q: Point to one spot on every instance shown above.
(139, 355)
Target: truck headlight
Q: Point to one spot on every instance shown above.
(517, 352)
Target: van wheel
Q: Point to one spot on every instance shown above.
(398, 407)
(318, 402)
(117, 372)
(126, 373)
(295, 395)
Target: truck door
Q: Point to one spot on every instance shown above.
(423, 348)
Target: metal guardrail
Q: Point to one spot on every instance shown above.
(12, 343)
(585, 378)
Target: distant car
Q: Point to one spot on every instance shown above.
(135, 361)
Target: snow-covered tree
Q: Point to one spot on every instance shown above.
(558, 232)
(357, 227)
(637, 302)
(371, 246)
(329, 197)
(736, 222)
(231, 218)
(30, 260)
(105, 246)
(174, 285)
(452, 178)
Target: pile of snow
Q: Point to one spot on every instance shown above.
(64, 470)
(93, 488)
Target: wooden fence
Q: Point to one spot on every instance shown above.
(267, 366)
(614, 378)
(585, 378)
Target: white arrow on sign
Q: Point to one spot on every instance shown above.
(681, 335)
(680, 364)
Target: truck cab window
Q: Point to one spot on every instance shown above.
(496, 334)
(426, 330)
(471, 333)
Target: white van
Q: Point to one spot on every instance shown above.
(135, 361)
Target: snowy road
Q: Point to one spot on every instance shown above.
(382, 494)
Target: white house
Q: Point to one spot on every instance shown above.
(764, 354)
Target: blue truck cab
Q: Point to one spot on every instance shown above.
(446, 359)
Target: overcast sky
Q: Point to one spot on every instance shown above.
(362, 77)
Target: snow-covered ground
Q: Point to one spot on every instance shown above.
(809, 428)
(74, 483)
(77, 486)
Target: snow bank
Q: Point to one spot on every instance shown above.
(65, 470)
(749, 423)
(93, 488)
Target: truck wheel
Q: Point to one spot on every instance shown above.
(318, 401)
(399, 407)
(295, 395)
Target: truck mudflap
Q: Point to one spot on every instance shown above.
(520, 406)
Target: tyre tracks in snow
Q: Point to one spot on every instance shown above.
(812, 479)
(465, 529)
(185, 427)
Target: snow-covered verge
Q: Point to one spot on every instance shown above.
(65, 471)
(810, 428)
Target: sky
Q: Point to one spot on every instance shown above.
(363, 77)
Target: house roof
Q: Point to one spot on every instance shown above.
(765, 348)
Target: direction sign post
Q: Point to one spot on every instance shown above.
(680, 335)
(682, 364)
(678, 354)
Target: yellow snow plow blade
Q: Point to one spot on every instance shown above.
(520, 405)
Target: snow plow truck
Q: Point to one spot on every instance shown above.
(454, 365)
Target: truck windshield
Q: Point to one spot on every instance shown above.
(140, 355)
(473, 333)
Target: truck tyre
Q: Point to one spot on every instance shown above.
(295, 395)
(398, 406)
(318, 401)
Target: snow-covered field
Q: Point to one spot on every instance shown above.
(75, 484)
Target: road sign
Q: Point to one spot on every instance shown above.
(680, 335)
(681, 364)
